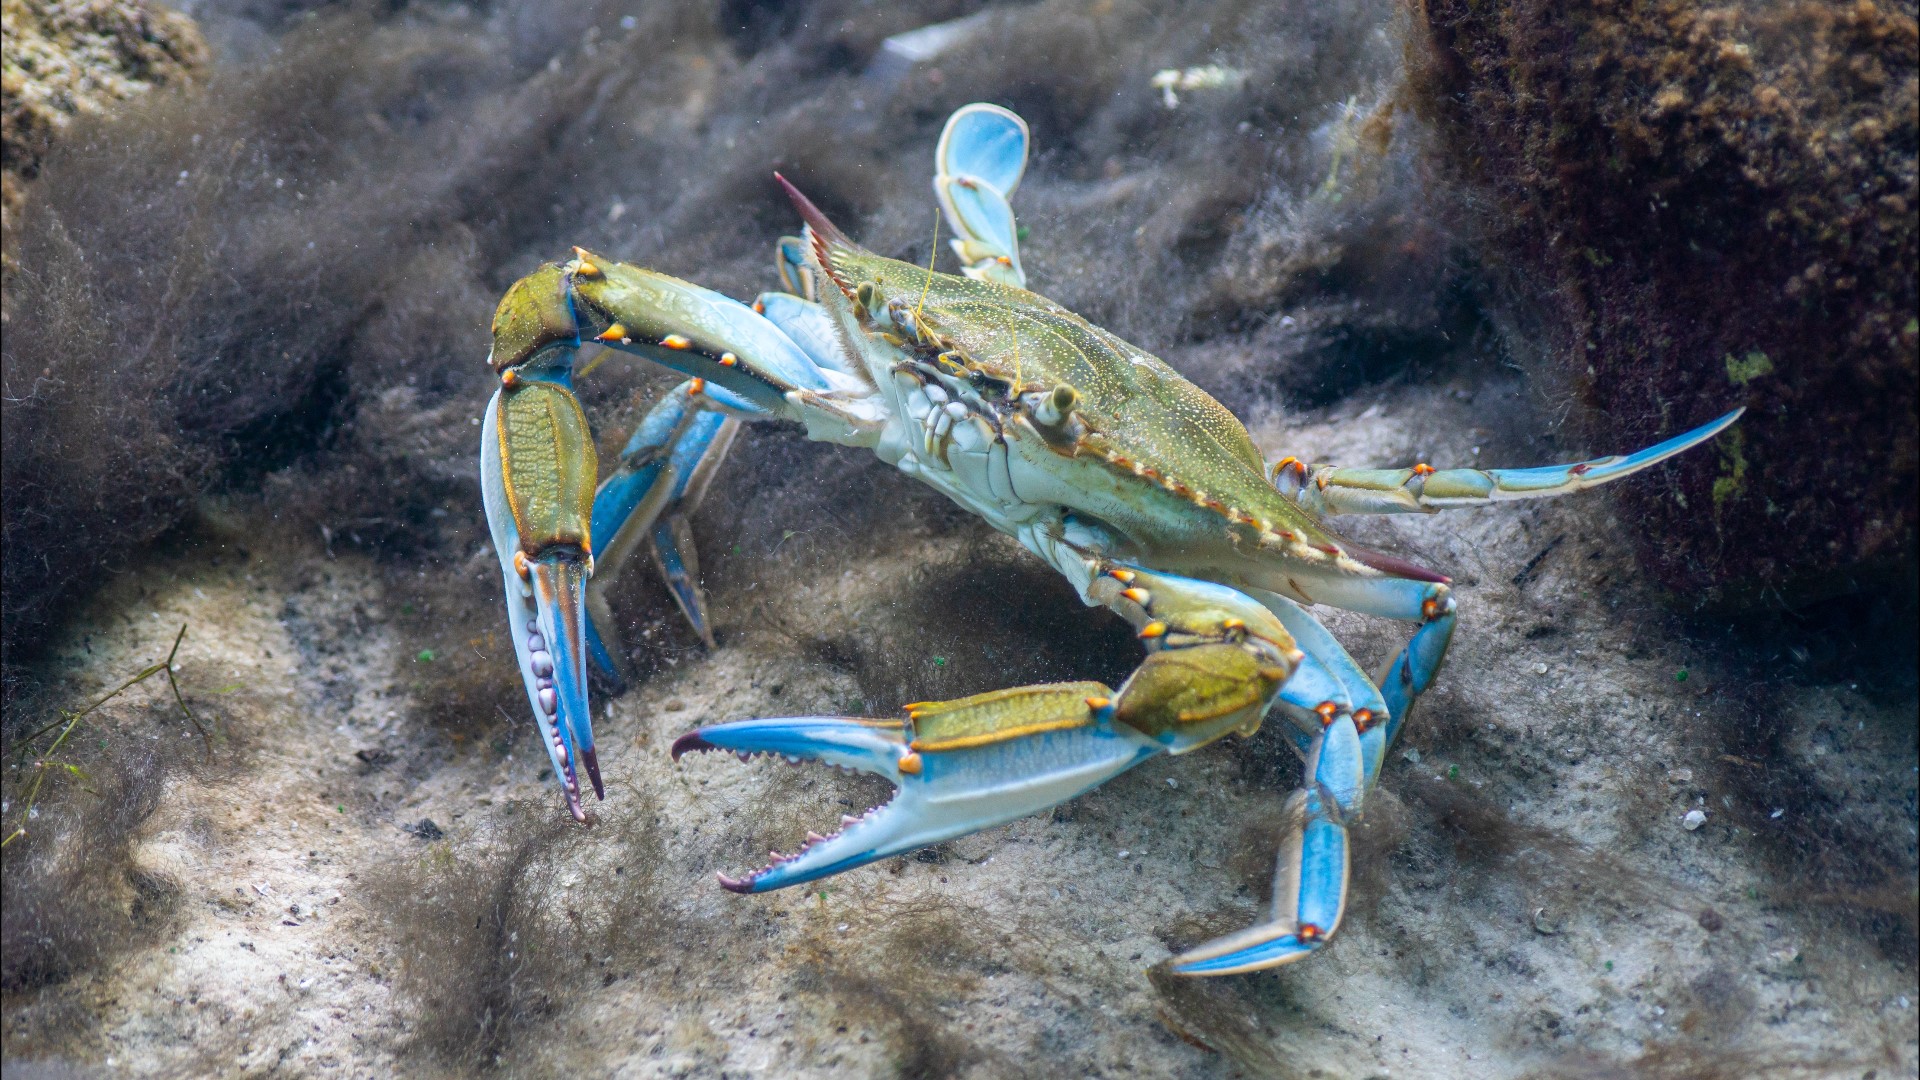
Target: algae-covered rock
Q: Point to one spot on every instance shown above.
(61, 60)
(1712, 206)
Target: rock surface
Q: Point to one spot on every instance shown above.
(62, 60)
(1713, 204)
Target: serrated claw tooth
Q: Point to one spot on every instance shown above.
(814, 837)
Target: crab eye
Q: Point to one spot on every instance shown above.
(992, 385)
(866, 294)
(1050, 409)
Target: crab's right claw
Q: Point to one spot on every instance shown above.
(960, 766)
(537, 472)
(977, 165)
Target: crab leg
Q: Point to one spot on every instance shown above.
(668, 462)
(1329, 682)
(1329, 489)
(1357, 723)
(1310, 884)
(807, 325)
(1217, 660)
(980, 158)
(960, 766)
(1429, 603)
(745, 366)
(662, 476)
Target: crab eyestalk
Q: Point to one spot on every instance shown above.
(538, 471)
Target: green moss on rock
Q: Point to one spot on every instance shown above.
(61, 60)
(1679, 183)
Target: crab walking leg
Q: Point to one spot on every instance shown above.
(1329, 682)
(797, 275)
(1218, 658)
(1343, 750)
(663, 473)
(978, 163)
(1343, 763)
(1430, 604)
(1329, 489)
(1310, 884)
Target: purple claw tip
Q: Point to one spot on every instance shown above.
(592, 762)
(689, 742)
(738, 885)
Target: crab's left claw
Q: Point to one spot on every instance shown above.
(960, 766)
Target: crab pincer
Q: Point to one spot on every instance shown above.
(957, 767)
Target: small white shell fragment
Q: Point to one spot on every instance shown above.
(1694, 819)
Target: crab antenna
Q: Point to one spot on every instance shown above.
(932, 254)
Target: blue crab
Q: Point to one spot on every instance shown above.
(1146, 494)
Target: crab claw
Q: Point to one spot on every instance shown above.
(559, 698)
(1044, 746)
(536, 511)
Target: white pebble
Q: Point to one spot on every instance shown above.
(1171, 782)
(1693, 820)
(1124, 853)
(1539, 669)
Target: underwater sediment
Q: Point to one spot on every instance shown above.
(243, 365)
